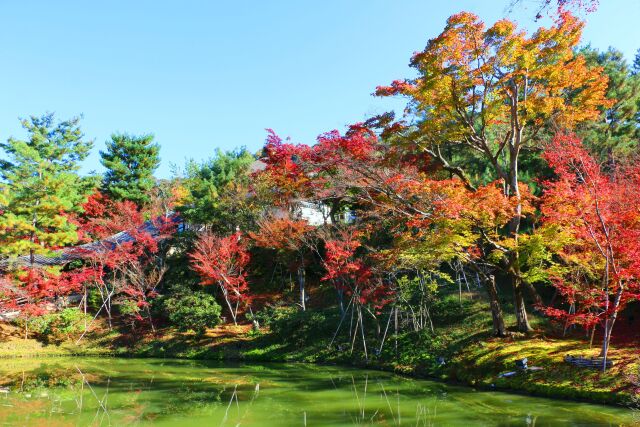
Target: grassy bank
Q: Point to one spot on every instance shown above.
(462, 339)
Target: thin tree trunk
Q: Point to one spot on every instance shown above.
(301, 281)
(341, 301)
(153, 328)
(396, 331)
(609, 326)
(364, 340)
(85, 307)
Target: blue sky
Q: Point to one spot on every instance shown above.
(206, 74)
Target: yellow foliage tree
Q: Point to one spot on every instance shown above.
(491, 91)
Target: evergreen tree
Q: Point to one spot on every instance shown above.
(130, 161)
(614, 134)
(219, 191)
(40, 186)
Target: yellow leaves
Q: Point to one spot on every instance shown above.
(470, 76)
(429, 248)
(502, 28)
(180, 194)
(465, 19)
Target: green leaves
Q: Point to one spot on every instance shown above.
(130, 162)
(41, 186)
(219, 191)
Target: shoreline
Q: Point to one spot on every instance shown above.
(458, 372)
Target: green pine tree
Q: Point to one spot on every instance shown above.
(130, 162)
(40, 186)
(219, 191)
(615, 135)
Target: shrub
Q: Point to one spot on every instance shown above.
(59, 325)
(272, 312)
(303, 327)
(192, 312)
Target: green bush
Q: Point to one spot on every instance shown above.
(59, 325)
(192, 312)
(272, 312)
(302, 327)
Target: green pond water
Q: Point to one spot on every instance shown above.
(130, 392)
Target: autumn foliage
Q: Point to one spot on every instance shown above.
(222, 261)
(597, 212)
(468, 192)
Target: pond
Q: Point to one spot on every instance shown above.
(154, 392)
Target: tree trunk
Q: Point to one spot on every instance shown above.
(85, 306)
(513, 190)
(608, 326)
(489, 282)
(522, 320)
(341, 301)
(301, 282)
(499, 329)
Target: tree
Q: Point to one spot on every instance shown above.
(490, 91)
(292, 240)
(597, 209)
(41, 186)
(222, 261)
(219, 192)
(614, 134)
(126, 254)
(33, 292)
(416, 223)
(130, 162)
(348, 268)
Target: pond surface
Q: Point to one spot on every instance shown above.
(130, 392)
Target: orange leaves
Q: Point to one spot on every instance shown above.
(397, 87)
(487, 207)
(283, 171)
(281, 233)
(471, 77)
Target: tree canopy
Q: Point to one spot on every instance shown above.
(130, 162)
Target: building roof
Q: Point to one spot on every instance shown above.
(66, 255)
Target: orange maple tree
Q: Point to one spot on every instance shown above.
(489, 92)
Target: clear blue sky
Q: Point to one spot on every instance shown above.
(207, 74)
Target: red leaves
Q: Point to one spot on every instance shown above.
(598, 209)
(34, 290)
(397, 87)
(348, 271)
(222, 261)
(283, 168)
(122, 259)
(340, 262)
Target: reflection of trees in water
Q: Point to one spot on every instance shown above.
(37, 396)
(377, 404)
(116, 392)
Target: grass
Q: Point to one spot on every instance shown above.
(481, 363)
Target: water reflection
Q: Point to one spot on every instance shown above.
(116, 392)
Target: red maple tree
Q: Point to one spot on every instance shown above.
(222, 261)
(597, 210)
